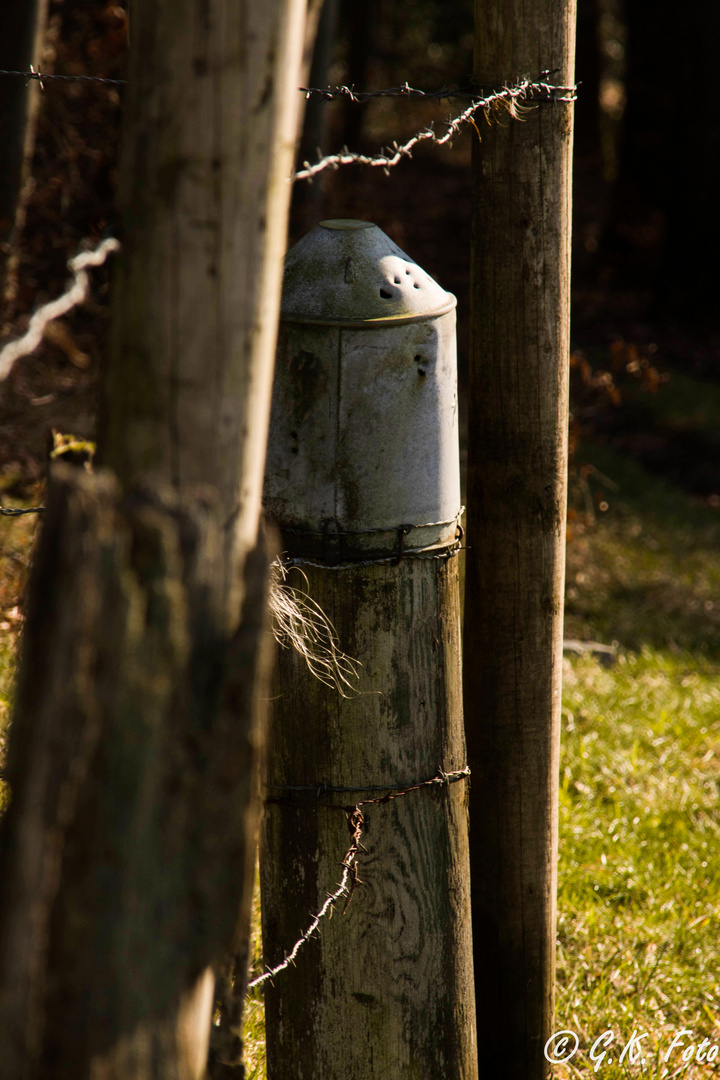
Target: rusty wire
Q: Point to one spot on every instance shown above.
(391, 791)
(442, 553)
(516, 100)
(346, 886)
(434, 551)
(350, 879)
(541, 90)
(376, 529)
(41, 77)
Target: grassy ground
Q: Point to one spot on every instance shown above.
(639, 875)
(16, 540)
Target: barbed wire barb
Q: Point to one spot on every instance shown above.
(350, 879)
(41, 77)
(516, 100)
(344, 888)
(75, 295)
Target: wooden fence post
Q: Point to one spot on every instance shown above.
(363, 480)
(517, 475)
(129, 840)
(210, 129)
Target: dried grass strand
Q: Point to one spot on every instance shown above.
(300, 623)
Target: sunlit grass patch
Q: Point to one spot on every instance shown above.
(639, 872)
(17, 536)
(639, 863)
(254, 1012)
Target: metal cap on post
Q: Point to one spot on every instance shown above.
(363, 479)
(364, 427)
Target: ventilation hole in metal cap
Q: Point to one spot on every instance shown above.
(385, 294)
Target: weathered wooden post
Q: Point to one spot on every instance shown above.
(124, 852)
(363, 480)
(517, 498)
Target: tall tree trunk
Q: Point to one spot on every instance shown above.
(517, 468)
(22, 23)
(308, 199)
(125, 860)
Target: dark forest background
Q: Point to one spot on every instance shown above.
(646, 217)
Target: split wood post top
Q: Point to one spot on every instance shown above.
(363, 481)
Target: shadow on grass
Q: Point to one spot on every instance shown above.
(645, 570)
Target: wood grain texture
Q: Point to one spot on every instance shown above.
(386, 989)
(128, 847)
(517, 465)
(211, 118)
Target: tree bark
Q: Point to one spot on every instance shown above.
(22, 23)
(517, 466)
(308, 199)
(128, 844)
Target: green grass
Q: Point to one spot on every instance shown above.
(648, 572)
(639, 873)
(16, 541)
(682, 405)
(254, 1012)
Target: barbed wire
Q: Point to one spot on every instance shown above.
(348, 883)
(541, 89)
(434, 551)
(75, 295)
(350, 879)
(12, 512)
(516, 100)
(41, 77)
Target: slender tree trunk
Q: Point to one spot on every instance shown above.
(517, 449)
(126, 858)
(308, 199)
(22, 23)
